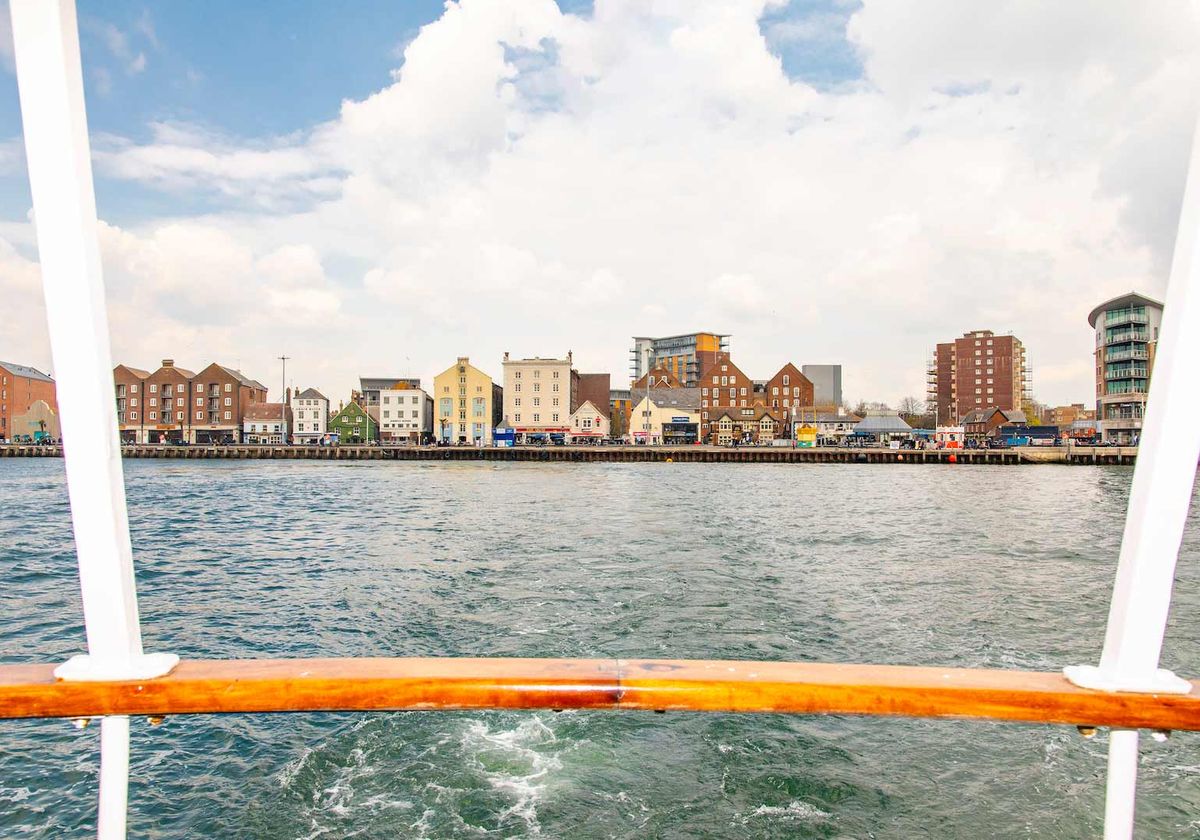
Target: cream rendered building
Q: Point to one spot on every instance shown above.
(405, 414)
(588, 423)
(466, 404)
(539, 396)
(666, 415)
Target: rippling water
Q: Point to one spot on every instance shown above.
(964, 566)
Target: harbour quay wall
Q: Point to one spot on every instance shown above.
(1111, 455)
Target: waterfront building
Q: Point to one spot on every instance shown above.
(310, 411)
(352, 424)
(723, 385)
(405, 414)
(1126, 337)
(666, 416)
(539, 396)
(267, 423)
(834, 427)
(130, 388)
(175, 405)
(589, 422)
(218, 400)
(883, 427)
(685, 356)
(20, 387)
(620, 407)
(39, 421)
(979, 370)
(750, 424)
(789, 392)
(982, 424)
(468, 404)
(369, 388)
(167, 393)
(827, 385)
(658, 377)
(1065, 415)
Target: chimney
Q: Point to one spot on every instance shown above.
(287, 396)
(506, 355)
(168, 363)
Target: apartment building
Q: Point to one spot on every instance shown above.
(980, 370)
(1126, 337)
(539, 396)
(369, 388)
(173, 404)
(20, 387)
(686, 356)
(468, 405)
(827, 386)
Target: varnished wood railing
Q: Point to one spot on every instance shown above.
(308, 685)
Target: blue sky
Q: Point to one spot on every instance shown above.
(271, 68)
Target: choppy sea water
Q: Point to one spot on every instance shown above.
(963, 566)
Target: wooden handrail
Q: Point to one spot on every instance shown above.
(322, 685)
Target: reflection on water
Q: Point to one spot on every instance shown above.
(965, 566)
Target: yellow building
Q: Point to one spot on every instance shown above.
(466, 404)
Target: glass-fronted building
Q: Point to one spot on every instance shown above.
(1126, 335)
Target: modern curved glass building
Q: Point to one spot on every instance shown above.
(1126, 335)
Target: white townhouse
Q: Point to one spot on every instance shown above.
(310, 416)
(405, 414)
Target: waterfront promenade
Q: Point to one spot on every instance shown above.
(674, 454)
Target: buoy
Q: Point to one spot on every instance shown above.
(670, 460)
(953, 459)
(899, 457)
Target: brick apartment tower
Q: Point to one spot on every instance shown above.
(980, 370)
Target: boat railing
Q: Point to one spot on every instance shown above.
(116, 678)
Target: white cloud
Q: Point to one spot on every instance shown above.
(536, 182)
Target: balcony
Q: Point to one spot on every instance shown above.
(1124, 316)
(1136, 353)
(1125, 337)
(1127, 372)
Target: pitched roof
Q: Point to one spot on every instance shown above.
(25, 371)
(242, 378)
(882, 422)
(265, 411)
(138, 372)
(309, 394)
(685, 398)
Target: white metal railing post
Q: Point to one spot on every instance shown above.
(1158, 506)
(50, 81)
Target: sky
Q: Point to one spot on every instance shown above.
(378, 192)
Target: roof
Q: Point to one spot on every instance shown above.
(685, 398)
(877, 422)
(184, 372)
(242, 378)
(264, 411)
(309, 394)
(26, 372)
(1128, 299)
(838, 418)
(138, 372)
(1014, 415)
(387, 383)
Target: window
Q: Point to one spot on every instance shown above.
(200, 401)
(704, 392)
(518, 387)
(516, 418)
(133, 415)
(132, 402)
(516, 374)
(775, 391)
(537, 418)
(732, 393)
(555, 387)
(413, 400)
(179, 416)
(787, 379)
(228, 401)
(517, 402)
(537, 386)
(387, 414)
(228, 415)
(387, 400)
(743, 391)
(153, 415)
(199, 415)
(228, 387)
(724, 380)
(556, 374)
(537, 373)
(555, 418)
(199, 388)
(133, 389)
(555, 402)
(716, 380)
(153, 388)
(537, 400)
